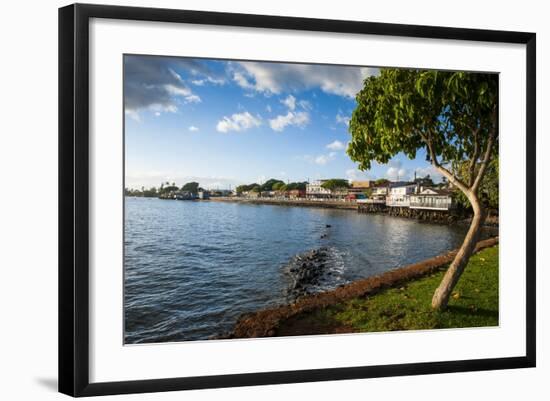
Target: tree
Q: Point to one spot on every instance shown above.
(167, 188)
(335, 184)
(424, 181)
(381, 182)
(268, 185)
(296, 185)
(451, 115)
(192, 187)
(368, 192)
(278, 186)
(488, 190)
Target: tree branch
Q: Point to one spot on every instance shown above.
(473, 159)
(487, 155)
(446, 173)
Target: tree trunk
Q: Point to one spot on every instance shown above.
(443, 292)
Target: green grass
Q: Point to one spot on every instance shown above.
(474, 303)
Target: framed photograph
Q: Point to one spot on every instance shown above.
(251, 199)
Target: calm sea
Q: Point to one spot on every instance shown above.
(192, 268)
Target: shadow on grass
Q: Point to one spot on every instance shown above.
(486, 313)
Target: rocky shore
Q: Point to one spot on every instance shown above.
(312, 272)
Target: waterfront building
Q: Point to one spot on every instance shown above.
(184, 195)
(380, 191)
(399, 194)
(220, 192)
(251, 194)
(362, 184)
(204, 195)
(315, 190)
(296, 193)
(358, 188)
(432, 199)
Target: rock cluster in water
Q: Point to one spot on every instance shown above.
(308, 270)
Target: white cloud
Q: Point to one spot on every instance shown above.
(192, 99)
(177, 90)
(192, 128)
(290, 102)
(274, 78)
(241, 80)
(304, 104)
(397, 174)
(268, 108)
(430, 170)
(324, 159)
(238, 122)
(152, 84)
(354, 174)
(336, 145)
(342, 119)
(134, 115)
(299, 119)
(208, 79)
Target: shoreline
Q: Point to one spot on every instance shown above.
(491, 221)
(289, 202)
(265, 322)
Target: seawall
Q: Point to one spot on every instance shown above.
(289, 202)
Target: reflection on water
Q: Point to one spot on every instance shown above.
(191, 268)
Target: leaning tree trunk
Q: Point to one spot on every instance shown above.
(443, 292)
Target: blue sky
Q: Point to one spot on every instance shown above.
(225, 123)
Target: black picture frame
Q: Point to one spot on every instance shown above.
(74, 198)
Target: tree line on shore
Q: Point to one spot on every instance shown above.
(271, 185)
(164, 189)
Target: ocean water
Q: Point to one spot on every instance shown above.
(192, 268)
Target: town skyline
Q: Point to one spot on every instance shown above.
(228, 123)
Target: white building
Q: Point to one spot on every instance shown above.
(315, 190)
(432, 199)
(380, 191)
(399, 195)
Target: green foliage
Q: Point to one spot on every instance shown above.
(401, 108)
(278, 186)
(192, 187)
(488, 191)
(168, 188)
(335, 183)
(268, 185)
(381, 182)
(146, 193)
(425, 181)
(245, 188)
(474, 303)
(368, 192)
(296, 185)
(271, 185)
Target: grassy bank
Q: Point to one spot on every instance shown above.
(474, 303)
